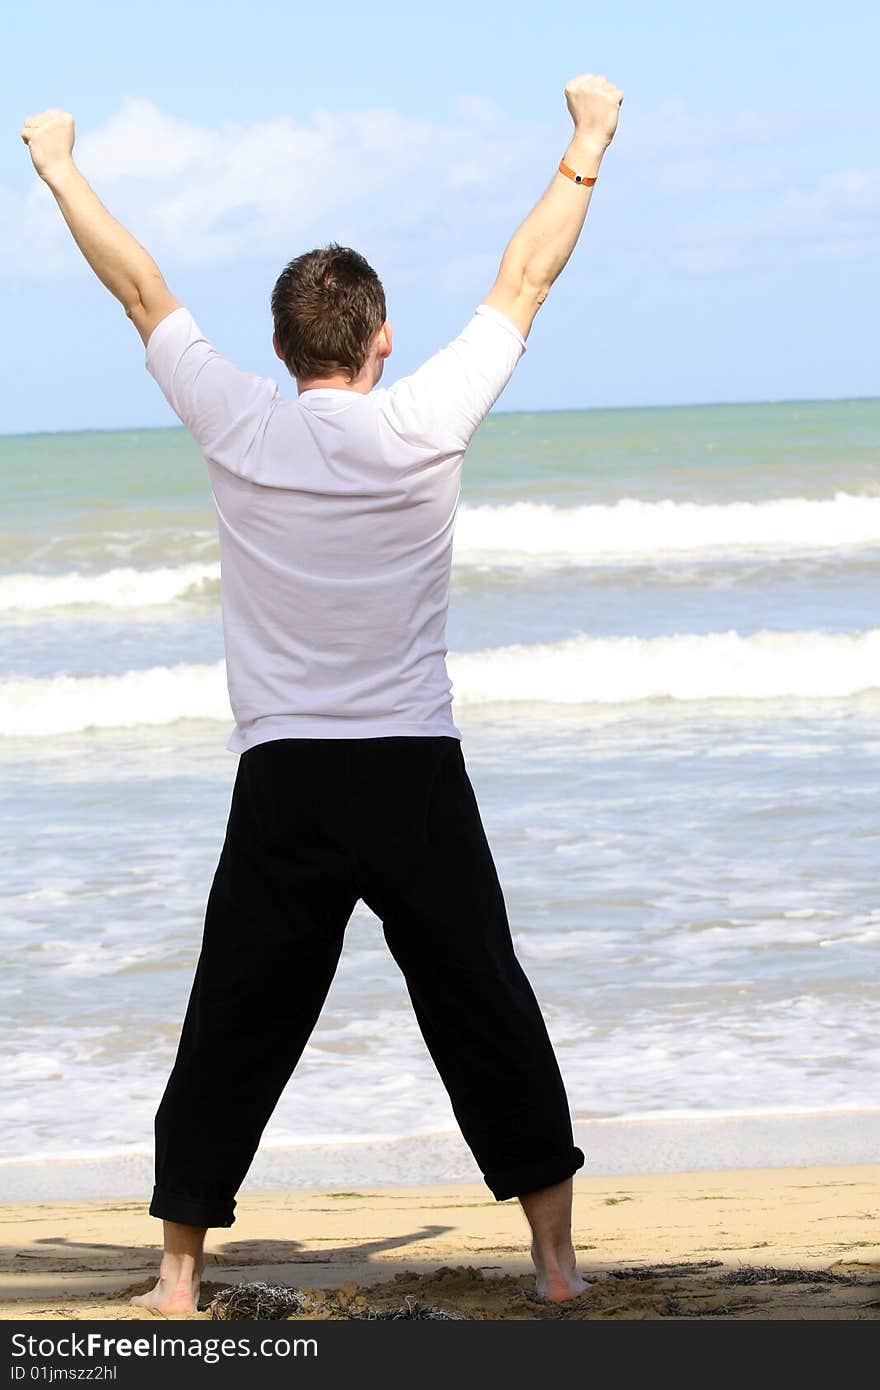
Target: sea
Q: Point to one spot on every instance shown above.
(664, 645)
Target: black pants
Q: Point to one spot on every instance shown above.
(316, 824)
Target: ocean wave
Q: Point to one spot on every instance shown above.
(580, 671)
(633, 529)
(70, 704)
(115, 588)
(714, 666)
(521, 533)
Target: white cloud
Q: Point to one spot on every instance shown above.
(825, 217)
(204, 195)
(143, 141)
(738, 193)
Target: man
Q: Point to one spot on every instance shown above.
(336, 513)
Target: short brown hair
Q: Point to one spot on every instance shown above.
(327, 305)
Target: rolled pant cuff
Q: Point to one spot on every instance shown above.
(529, 1177)
(188, 1211)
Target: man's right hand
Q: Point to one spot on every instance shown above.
(594, 103)
(49, 137)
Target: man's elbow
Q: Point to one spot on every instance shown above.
(535, 291)
(147, 310)
(518, 298)
(526, 284)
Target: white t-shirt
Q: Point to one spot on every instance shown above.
(336, 512)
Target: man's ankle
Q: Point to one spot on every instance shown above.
(182, 1263)
(555, 1258)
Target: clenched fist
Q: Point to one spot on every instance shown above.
(49, 137)
(594, 103)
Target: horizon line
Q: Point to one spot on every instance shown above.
(495, 414)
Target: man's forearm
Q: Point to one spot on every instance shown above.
(539, 249)
(118, 260)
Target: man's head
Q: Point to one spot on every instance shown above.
(330, 325)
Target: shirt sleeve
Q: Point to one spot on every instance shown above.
(444, 401)
(223, 408)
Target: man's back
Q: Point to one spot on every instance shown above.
(336, 512)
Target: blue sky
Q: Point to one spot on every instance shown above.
(731, 252)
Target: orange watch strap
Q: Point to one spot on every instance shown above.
(576, 178)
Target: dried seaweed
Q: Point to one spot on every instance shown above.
(257, 1301)
(278, 1302)
(766, 1274)
(663, 1271)
(409, 1308)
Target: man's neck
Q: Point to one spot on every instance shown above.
(362, 384)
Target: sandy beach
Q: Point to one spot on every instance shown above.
(773, 1243)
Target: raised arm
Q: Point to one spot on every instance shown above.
(119, 262)
(538, 251)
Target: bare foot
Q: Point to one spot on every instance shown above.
(558, 1281)
(177, 1288)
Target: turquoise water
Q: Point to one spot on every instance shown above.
(666, 663)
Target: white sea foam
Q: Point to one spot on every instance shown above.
(114, 588)
(632, 529)
(579, 671)
(716, 666)
(157, 695)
